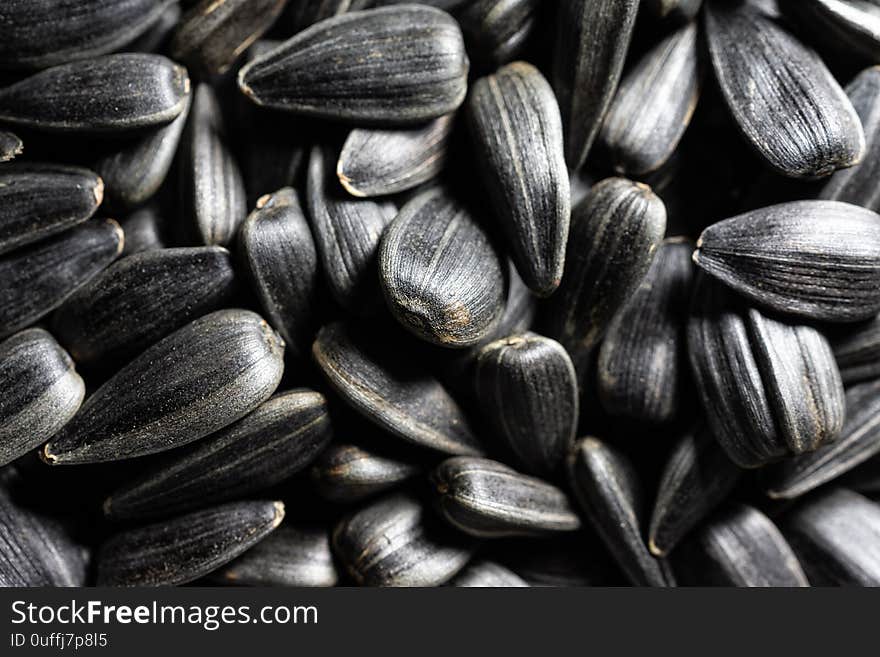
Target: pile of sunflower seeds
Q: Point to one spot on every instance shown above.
(467, 292)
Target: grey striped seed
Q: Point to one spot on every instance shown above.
(392, 543)
(10, 146)
(654, 104)
(180, 550)
(769, 390)
(517, 137)
(857, 352)
(642, 366)
(783, 97)
(592, 39)
(144, 230)
(375, 162)
(528, 387)
(497, 31)
(775, 256)
(197, 380)
(440, 273)
(141, 299)
(384, 383)
(280, 258)
(38, 278)
(487, 574)
(348, 473)
(111, 93)
(339, 68)
(679, 10)
(835, 536)
(848, 25)
(39, 391)
(278, 439)
(608, 489)
(213, 194)
(697, 477)
(487, 499)
(37, 201)
(859, 441)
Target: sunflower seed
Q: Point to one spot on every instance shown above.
(487, 499)
(852, 26)
(211, 185)
(140, 299)
(654, 105)
(107, 94)
(50, 32)
(278, 439)
(527, 384)
(384, 383)
(339, 68)
(859, 441)
(835, 536)
(38, 278)
(642, 361)
(497, 31)
(37, 201)
(36, 550)
(39, 391)
(812, 259)
(769, 389)
(614, 233)
(784, 99)
(10, 146)
(348, 473)
(289, 556)
(393, 543)
(592, 39)
(487, 574)
(183, 549)
(697, 477)
(514, 119)
(680, 10)
(374, 162)
(144, 231)
(280, 258)
(608, 489)
(440, 273)
(197, 380)
(857, 352)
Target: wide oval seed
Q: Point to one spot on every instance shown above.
(348, 473)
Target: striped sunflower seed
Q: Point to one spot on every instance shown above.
(440, 273)
(183, 549)
(339, 68)
(776, 256)
(857, 352)
(144, 230)
(197, 380)
(39, 391)
(10, 146)
(111, 93)
(348, 473)
(514, 119)
(679, 10)
(782, 96)
(487, 574)
(851, 26)
(497, 31)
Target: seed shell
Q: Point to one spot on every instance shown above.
(348, 473)
(487, 574)
(497, 31)
(857, 352)
(10, 146)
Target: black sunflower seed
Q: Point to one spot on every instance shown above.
(615, 231)
(487, 499)
(183, 549)
(642, 361)
(383, 382)
(592, 39)
(835, 536)
(213, 193)
(37, 201)
(10, 146)
(393, 543)
(348, 473)
(339, 68)
(38, 278)
(782, 96)
(528, 387)
(39, 391)
(497, 31)
(441, 275)
(769, 389)
(813, 259)
(278, 439)
(144, 230)
(848, 25)
(514, 120)
(36, 550)
(608, 489)
(680, 10)
(697, 477)
(197, 380)
(106, 94)
(487, 574)
(857, 352)
(654, 105)
(859, 441)
(140, 299)
(289, 556)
